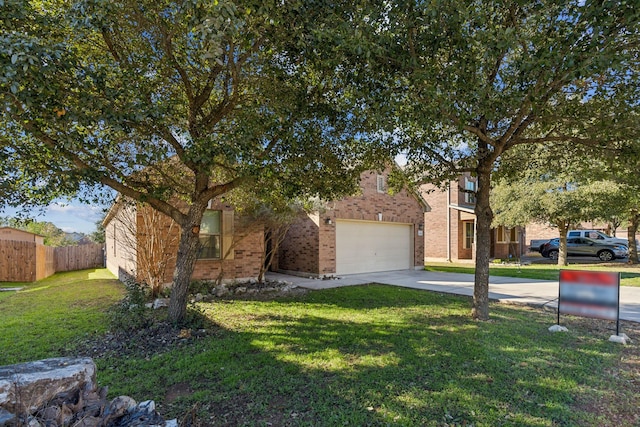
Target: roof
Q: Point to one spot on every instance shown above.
(20, 231)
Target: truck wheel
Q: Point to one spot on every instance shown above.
(553, 255)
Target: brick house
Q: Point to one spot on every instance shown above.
(372, 231)
(138, 236)
(450, 225)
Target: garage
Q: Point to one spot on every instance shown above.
(367, 246)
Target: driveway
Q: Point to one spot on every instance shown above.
(504, 289)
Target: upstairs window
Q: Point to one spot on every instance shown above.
(380, 184)
(210, 235)
(469, 195)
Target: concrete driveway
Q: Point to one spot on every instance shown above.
(505, 289)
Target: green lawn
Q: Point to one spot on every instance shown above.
(366, 355)
(630, 275)
(47, 315)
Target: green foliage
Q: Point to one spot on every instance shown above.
(175, 104)
(131, 314)
(464, 82)
(363, 355)
(200, 287)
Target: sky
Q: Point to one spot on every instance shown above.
(70, 217)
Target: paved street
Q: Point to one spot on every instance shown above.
(507, 289)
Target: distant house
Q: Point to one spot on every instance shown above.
(370, 232)
(450, 226)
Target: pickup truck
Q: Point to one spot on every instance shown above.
(536, 244)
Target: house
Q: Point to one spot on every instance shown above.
(372, 231)
(142, 243)
(450, 232)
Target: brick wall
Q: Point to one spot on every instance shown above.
(245, 243)
(438, 219)
(299, 251)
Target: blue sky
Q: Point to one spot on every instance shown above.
(69, 217)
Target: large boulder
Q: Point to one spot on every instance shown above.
(25, 387)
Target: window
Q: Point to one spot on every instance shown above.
(210, 235)
(469, 185)
(468, 235)
(380, 184)
(506, 235)
(573, 234)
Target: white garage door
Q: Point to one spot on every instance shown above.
(364, 247)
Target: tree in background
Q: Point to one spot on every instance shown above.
(556, 199)
(174, 104)
(465, 82)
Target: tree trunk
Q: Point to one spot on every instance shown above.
(563, 228)
(634, 218)
(484, 217)
(185, 263)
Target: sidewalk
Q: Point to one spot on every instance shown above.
(504, 289)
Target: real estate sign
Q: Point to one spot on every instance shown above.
(589, 294)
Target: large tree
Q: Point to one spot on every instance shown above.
(469, 80)
(173, 104)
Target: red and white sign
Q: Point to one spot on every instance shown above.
(590, 294)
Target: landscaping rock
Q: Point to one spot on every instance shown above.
(160, 303)
(28, 386)
(63, 392)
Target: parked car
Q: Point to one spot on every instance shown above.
(581, 246)
(596, 235)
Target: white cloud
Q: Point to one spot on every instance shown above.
(84, 212)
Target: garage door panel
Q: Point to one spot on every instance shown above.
(363, 246)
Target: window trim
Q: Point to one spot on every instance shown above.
(469, 239)
(381, 184)
(470, 185)
(202, 235)
(506, 235)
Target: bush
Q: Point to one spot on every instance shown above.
(199, 287)
(131, 313)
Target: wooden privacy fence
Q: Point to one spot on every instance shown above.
(29, 261)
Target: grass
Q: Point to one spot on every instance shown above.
(630, 275)
(366, 355)
(47, 315)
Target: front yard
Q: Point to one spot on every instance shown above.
(366, 355)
